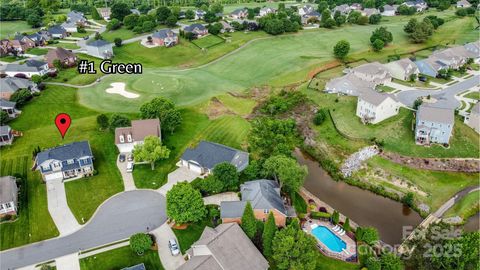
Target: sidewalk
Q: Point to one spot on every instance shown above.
(58, 208)
(68, 262)
(162, 235)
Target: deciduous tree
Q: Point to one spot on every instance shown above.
(163, 109)
(151, 151)
(227, 174)
(140, 242)
(185, 204)
(102, 121)
(341, 49)
(286, 171)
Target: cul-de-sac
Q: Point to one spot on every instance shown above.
(240, 135)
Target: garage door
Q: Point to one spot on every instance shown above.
(52, 176)
(195, 168)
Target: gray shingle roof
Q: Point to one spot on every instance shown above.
(209, 154)
(7, 104)
(98, 43)
(163, 33)
(56, 29)
(192, 27)
(238, 11)
(65, 152)
(12, 84)
(8, 187)
(434, 114)
(375, 98)
(4, 130)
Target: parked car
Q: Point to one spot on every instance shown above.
(129, 166)
(121, 158)
(130, 157)
(172, 244)
(86, 37)
(422, 78)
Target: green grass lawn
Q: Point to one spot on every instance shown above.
(473, 95)
(327, 263)
(68, 46)
(36, 123)
(120, 258)
(279, 60)
(208, 41)
(240, 106)
(8, 28)
(385, 89)
(466, 207)
(34, 222)
(124, 34)
(71, 75)
(11, 58)
(397, 134)
(416, 83)
(37, 51)
(191, 234)
(81, 35)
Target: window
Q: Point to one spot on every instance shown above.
(70, 161)
(122, 139)
(129, 138)
(266, 211)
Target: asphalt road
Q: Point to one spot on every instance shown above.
(118, 218)
(445, 97)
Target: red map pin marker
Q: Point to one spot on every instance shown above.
(63, 121)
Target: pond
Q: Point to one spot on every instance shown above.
(361, 206)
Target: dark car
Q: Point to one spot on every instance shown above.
(121, 158)
(422, 78)
(86, 37)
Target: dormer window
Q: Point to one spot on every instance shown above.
(122, 139)
(129, 138)
(70, 161)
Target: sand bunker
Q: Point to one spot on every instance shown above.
(119, 88)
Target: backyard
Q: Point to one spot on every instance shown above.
(9, 28)
(208, 41)
(120, 258)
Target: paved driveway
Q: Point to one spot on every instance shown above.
(222, 197)
(179, 175)
(118, 218)
(68, 262)
(445, 97)
(58, 208)
(127, 177)
(162, 235)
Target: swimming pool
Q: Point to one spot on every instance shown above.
(329, 239)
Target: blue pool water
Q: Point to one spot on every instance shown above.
(329, 239)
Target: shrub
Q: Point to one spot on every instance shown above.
(140, 242)
(320, 215)
(118, 42)
(319, 117)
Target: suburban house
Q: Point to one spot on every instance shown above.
(344, 9)
(226, 27)
(9, 108)
(356, 6)
(199, 30)
(127, 137)
(463, 4)
(105, 13)
(473, 50)
(266, 10)
(100, 48)
(389, 10)
(140, 266)
(74, 19)
(10, 85)
(369, 11)
(430, 66)
(264, 196)
(402, 69)
(473, 119)
(25, 41)
(5, 47)
(206, 155)
(30, 68)
(66, 57)
(309, 17)
(372, 72)
(8, 196)
(374, 107)
(225, 247)
(19, 46)
(6, 135)
(69, 161)
(305, 10)
(239, 13)
(165, 37)
(454, 57)
(199, 14)
(420, 5)
(57, 31)
(433, 125)
(349, 85)
(40, 38)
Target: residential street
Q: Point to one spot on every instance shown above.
(118, 218)
(446, 97)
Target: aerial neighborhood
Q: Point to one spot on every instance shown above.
(332, 135)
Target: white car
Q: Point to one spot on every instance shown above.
(172, 244)
(129, 166)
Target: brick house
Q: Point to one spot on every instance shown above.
(165, 37)
(66, 57)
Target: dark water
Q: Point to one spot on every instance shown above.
(473, 224)
(361, 206)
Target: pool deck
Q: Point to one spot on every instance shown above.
(351, 248)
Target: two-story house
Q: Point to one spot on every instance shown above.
(8, 196)
(199, 30)
(206, 155)
(165, 37)
(402, 69)
(473, 119)
(264, 196)
(127, 137)
(374, 107)
(240, 13)
(69, 161)
(372, 72)
(433, 125)
(100, 48)
(66, 57)
(30, 68)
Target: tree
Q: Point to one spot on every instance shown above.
(408, 199)
(417, 103)
(3, 117)
(329, 23)
(119, 11)
(148, 26)
(286, 171)
(341, 49)
(163, 109)
(374, 19)
(130, 21)
(216, 8)
(209, 186)
(163, 13)
(368, 235)
(326, 14)
(319, 117)
(443, 5)
(227, 174)
(346, 225)
(189, 14)
(249, 222)
(98, 36)
(410, 26)
(118, 121)
(185, 204)
(118, 42)
(422, 32)
(335, 217)
(340, 20)
(273, 136)
(378, 45)
(354, 16)
(171, 21)
(372, 263)
(140, 242)
(362, 20)
(382, 34)
(113, 24)
(268, 233)
(95, 14)
(323, 5)
(102, 121)
(294, 249)
(215, 28)
(37, 79)
(34, 20)
(210, 17)
(391, 262)
(404, 10)
(274, 27)
(21, 97)
(151, 151)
